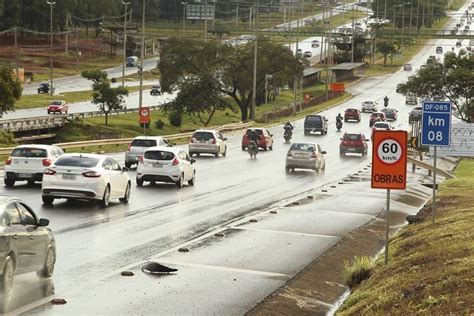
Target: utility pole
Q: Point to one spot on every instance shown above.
(66, 50)
(205, 22)
(385, 11)
(77, 49)
(124, 42)
(237, 15)
(140, 99)
(184, 16)
(322, 38)
(352, 37)
(255, 54)
(16, 55)
(417, 18)
(51, 88)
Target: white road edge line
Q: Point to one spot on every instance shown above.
(284, 232)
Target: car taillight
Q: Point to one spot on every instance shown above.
(46, 162)
(175, 162)
(191, 140)
(8, 162)
(91, 174)
(213, 141)
(288, 154)
(129, 145)
(49, 172)
(140, 159)
(262, 137)
(314, 155)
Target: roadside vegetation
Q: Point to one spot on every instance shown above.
(430, 269)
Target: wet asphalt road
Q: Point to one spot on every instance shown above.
(94, 245)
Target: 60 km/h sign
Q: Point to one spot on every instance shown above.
(389, 160)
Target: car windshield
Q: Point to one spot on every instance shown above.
(351, 110)
(77, 161)
(259, 131)
(381, 125)
(156, 87)
(352, 137)
(29, 152)
(313, 119)
(203, 136)
(158, 155)
(368, 102)
(303, 147)
(56, 103)
(143, 143)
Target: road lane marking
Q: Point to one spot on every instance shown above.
(230, 269)
(284, 232)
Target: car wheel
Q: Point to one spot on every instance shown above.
(271, 147)
(243, 147)
(106, 197)
(287, 169)
(193, 179)
(31, 182)
(48, 200)
(324, 166)
(179, 184)
(9, 182)
(6, 282)
(264, 148)
(139, 182)
(217, 153)
(48, 267)
(341, 153)
(191, 154)
(49, 112)
(126, 196)
(306, 133)
(225, 152)
(128, 164)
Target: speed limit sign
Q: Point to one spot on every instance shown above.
(389, 160)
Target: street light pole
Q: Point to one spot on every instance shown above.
(394, 10)
(205, 22)
(140, 98)
(184, 16)
(255, 54)
(124, 42)
(51, 46)
(403, 24)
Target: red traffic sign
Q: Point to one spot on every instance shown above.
(144, 113)
(307, 97)
(389, 160)
(337, 86)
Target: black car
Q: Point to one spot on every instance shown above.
(155, 90)
(315, 123)
(26, 244)
(415, 114)
(44, 88)
(399, 87)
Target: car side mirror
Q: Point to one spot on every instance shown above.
(225, 138)
(124, 169)
(193, 161)
(43, 222)
(340, 138)
(271, 135)
(323, 152)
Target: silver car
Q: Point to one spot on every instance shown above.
(305, 156)
(369, 106)
(139, 145)
(207, 142)
(26, 244)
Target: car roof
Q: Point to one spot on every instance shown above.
(256, 128)
(206, 130)
(163, 148)
(381, 123)
(148, 137)
(36, 146)
(309, 144)
(85, 155)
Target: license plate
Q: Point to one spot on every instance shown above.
(157, 165)
(202, 141)
(69, 176)
(25, 175)
(351, 149)
(300, 155)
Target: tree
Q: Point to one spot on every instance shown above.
(198, 95)
(386, 48)
(230, 66)
(454, 79)
(10, 89)
(108, 99)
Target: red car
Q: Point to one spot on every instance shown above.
(58, 106)
(352, 114)
(376, 117)
(265, 141)
(354, 144)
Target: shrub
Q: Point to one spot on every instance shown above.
(176, 119)
(159, 124)
(360, 270)
(7, 138)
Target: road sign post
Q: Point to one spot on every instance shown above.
(389, 167)
(144, 114)
(435, 131)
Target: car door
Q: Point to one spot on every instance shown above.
(121, 177)
(320, 157)
(115, 175)
(186, 163)
(37, 236)
(221, 142)
(268, 138)
(18, 238)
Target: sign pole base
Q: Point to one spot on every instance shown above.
(433, 207)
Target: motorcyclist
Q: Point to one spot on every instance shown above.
(339, 117)
(385, 101)
(288, 126)
(253, 136)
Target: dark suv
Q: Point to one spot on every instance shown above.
(354, 144)
(315, 123)
(44, 88)
(155, 90)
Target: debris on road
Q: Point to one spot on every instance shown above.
(127, 273)
(156, 268)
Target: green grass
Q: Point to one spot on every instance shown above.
(430, 269)
(42, 100)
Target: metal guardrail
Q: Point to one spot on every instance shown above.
(120, 141)
(55, 121)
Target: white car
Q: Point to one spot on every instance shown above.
(27, 163)
(139, 144)
(207, 142)
(315, 43)
(381, 126)
(369, 106)
(86, 177)
(166, 164)
(307, 54)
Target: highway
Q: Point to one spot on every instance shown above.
(224, 274)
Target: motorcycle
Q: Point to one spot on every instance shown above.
(338, 125)
(287, 135)
(253, 149)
